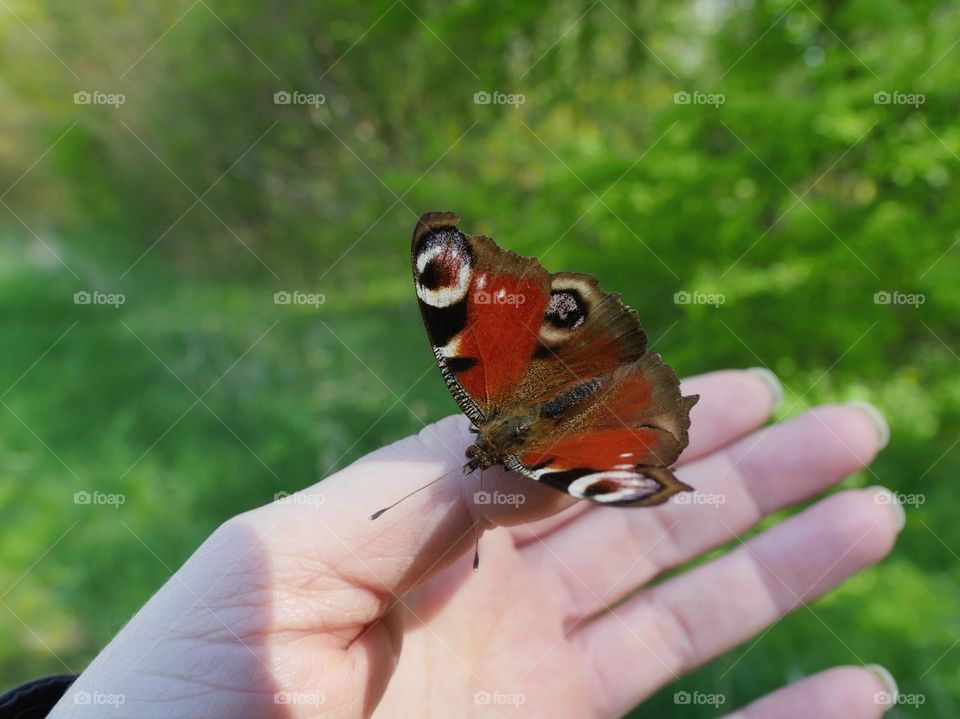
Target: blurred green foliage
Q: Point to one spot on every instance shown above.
(797, 198)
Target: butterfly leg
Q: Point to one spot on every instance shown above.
(476, 546)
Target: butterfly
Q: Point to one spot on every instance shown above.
(553, 372)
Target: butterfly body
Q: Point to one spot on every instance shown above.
(499, 439)
(553, 372)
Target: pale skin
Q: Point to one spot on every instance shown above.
(306, 608)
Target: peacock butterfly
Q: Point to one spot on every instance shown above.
(553, 372)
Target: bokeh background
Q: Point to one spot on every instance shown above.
(737, 151)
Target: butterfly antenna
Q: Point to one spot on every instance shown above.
(407, 496)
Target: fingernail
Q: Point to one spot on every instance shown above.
(879, 421)
(882, 495)
(772, 382)
(889, 696)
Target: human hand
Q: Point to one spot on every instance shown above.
(305, 608)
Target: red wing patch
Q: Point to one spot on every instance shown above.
(503, 316)
(620, 449)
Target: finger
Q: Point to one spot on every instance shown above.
(840, 693)
(732, 403)
(685, 621)
(774, 468)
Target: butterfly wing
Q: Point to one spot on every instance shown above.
(613, 438)
(482, 307)
(610, 419)
(504, 330)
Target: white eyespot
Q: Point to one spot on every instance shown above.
(635, 486)
(445, 295)
(566, 312)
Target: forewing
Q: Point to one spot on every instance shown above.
(482, 307)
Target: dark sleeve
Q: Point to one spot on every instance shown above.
(36, 698)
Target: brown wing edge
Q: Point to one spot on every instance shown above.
(431, 222)
(680, 430)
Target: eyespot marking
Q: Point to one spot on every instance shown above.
(566, 312)
(566, 309)
(603, 486)
(443, 268)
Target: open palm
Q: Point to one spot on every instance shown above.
(305, 608)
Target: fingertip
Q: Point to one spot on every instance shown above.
(842, 692)
(868, 528)
(771, 382)
(880, 424)
(884, 496)
(870, 685)
(888, 689)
